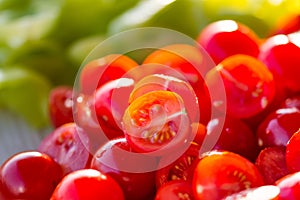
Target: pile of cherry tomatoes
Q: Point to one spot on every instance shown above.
(175, 126)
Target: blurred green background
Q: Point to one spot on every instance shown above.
(43, 43)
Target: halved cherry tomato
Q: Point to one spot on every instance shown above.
(175, 190)
(225, 38)
(219, 174)
(248, 83)
(68, 145)
(157, 122)
(29, 175)
(169, 83)
(182, 168)
(190, 64)
(87, 184)
(102, 70)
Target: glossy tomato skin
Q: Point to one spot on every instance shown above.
(87, 184)
(29, 175)
(291, 102)
(175, 190)
(289, 186)
(60, 105)
(111, 100)
(190, 64)
(249, 85)
(219, 174)
(135, 173)
(155, 82)
(233, 128)
(225, 38)
(99, 71)
(293, 152)
(278, 127)
(280, 53)
(68, 145)
(157, 123)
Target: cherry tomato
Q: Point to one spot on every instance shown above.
(287, 24)
(265, 192)
(157, 122)
(219, 174)
(180, 169)
(169, 83)
(222, 134)
(192, 64)
(280, 54)
(175, 190)
(271, 164)
(29, 175)
(102, 70)
(111, 101)
(60, 105)
(199, 131)
(248, 83)
(293, 152)
(225, 38)
(134, 172)
(289, 186)
(87, 184)
(69, 146)
(278, 127)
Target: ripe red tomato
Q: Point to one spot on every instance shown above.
(248, 83)
(29, 175)
(190, 64)
(169, 83)
(280, 54)
(69, 146)
(102, 70)
(60, 105)
(278, 127)
(182, 168)
(293, 152)
(225, 38)
(222, 134)
(219, 174)
(134, 172)
(271, 164)
(111, 100)
(175, 190)
(87, 184)
(289, 186)
(157, 122)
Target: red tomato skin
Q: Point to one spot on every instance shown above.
(60, 105)
(225, 38)
(68, 145)
(293, 152)
(175, 190)
(87, 184)
(219, 174)
(29, 175)
(280, 53)
(289, 186)
(99, 71)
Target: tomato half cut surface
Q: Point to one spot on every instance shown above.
(157, 121)
(219, 174)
